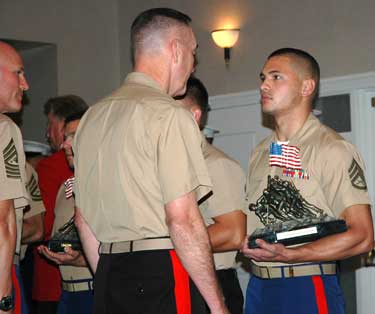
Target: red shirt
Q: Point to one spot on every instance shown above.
(52, 172)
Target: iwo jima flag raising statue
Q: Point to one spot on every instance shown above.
(289, 218)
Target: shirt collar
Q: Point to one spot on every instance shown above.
(304, 131)
(143, 79)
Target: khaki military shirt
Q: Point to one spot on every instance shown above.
(228, 187)
(135, 151)
(12, 170)
(36, 203)
(64, 211)
(331, 177)
(36, 206)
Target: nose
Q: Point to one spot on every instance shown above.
(23, 83)
(264, 86)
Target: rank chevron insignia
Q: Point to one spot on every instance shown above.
(11, 161)
(356, 176)
(33, 188)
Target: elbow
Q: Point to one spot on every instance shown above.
(181, 223)
(367, 245)
(240, 233)
(237, 239)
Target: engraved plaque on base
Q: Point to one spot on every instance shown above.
(298, 231)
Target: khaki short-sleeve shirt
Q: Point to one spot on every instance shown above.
(64, 211)
(331, 177)
(135, 151)
(228, 193)
(36, 203)
(36, 206)
(12, 171)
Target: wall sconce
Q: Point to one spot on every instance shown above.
(225, 38)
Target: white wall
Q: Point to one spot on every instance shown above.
(86, 35)
(92, 37)
(338, 32)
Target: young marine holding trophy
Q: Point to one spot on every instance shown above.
(305, 187)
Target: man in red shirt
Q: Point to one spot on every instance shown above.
(52, 172)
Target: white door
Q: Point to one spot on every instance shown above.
(364, 117)
(238, 120)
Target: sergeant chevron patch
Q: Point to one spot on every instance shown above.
(33, 188)
(11, 161)
(357, 176)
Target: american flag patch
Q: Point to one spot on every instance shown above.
(285, 156)
(69, 185)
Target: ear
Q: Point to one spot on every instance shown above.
(308, 87)
(197, 113)
(175, 50)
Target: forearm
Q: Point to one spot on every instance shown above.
(358, 239)
(89, 242)
(191, 242)
(192, 246)
(69, 257)
(227, 232)
(8, 234)
(80, 261)
(33, 229)
(335, 247)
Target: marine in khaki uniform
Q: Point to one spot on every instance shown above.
(328, 173)
(13, 194)
(139, 174)
(32, 228)
(222, 210)
(77, 280)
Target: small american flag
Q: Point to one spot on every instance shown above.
(285, 156)
(69, 185)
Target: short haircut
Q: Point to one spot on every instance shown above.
(64, 106)
(196, 91)
(151, 21)
(75, 116)
(313, 67)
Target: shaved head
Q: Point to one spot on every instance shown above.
(153, 27)
(12, 79)
(7, 52)
(304, 64)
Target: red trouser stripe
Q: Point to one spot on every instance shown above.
(17, 292)
(321, 300)
(181, 289)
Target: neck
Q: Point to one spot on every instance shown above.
(154, 68)
(288, 124)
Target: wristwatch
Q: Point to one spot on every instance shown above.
(6, 303)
